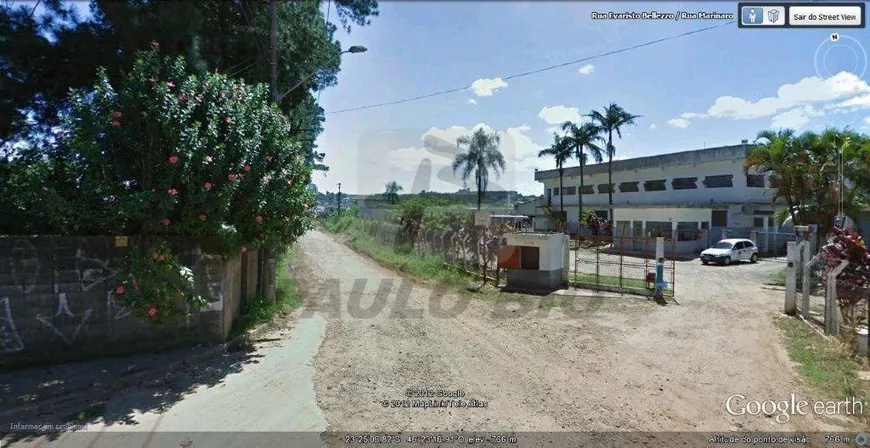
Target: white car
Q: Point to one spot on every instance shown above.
(729, 251)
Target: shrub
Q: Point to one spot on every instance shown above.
(853, 283)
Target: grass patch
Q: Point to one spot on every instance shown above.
(828, 369)
(778, 278)
(631, 283)
(261, 310)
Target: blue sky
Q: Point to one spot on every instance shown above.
(736, 81)
(709, 89)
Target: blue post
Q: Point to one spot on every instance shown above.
(660, 278)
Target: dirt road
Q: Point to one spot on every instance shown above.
(627, 364)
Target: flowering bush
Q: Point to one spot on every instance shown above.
(156, 287)
(853, 283)
(170, 153)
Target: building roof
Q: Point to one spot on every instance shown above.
(731, 152)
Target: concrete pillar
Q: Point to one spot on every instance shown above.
(674, 230)
(805, 278)
(766, 236)
(753, 235)
(792, 258)
(660, 247)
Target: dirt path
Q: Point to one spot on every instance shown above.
(624, 365)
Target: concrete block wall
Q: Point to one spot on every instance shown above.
(56, 303)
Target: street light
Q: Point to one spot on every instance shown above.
(354, 49)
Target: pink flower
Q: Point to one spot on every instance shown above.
(284, 172)
(120, 290)
(228, 120)
(166, 222)
(154, 44)
(247, 168)
(209, 159)
(116, 124)
(152, 311)
(243, 249)
(266, 179)
(259, 219)
(203, 217)
(173, 159)
(268, 158)
(170, 84)
(173, 192)
(232, 176)
(117, 114)
(207, 186)
(182, 98)
(223, 95)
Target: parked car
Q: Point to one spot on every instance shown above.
(729, 251)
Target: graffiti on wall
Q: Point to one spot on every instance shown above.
(23, 263)
(64, 322)
(10, 340)
(92, 271)
(210, 266)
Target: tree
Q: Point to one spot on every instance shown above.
(43, 58)
(392, 191)
(482, 156)
(611, 120)
(583, 137)
(561, 151)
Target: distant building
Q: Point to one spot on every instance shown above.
(690, 195)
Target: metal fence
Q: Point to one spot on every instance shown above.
(472, 250)
(624, 263)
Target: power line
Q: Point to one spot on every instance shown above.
(532, 72)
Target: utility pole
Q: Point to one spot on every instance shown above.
(273, 50)
(339, 198)
(266, 257)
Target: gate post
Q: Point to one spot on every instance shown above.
(805, 279)
(792, 258)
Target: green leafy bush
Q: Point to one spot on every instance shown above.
(168, 153)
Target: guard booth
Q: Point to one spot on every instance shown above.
(535, 262)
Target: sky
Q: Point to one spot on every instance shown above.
(709, 89)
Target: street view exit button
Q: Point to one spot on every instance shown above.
(827, 16)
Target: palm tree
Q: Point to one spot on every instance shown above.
(392, 191)
(483, 155)
(580, 138)
(611, 120)
(561, 151)
(775, 154)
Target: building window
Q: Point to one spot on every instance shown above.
(556, 191)
(755, 180)
(705, 225)
(629, 187)
(587, 189)
(688, 231)
(758, 222)
(654, 185)
(723, 181)
(603, 214)
(604, 188)
(570, 191)
(719, 218)
(656, 229)
(684, 183)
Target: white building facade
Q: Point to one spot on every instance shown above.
(687, 196)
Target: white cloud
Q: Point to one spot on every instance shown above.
(653, 127)
(679, 123)
(560, 114)
(867, 120)
(586, 69)
(472, 101)
(486, 87)
(795, 118)
(806, 91)
(524, 128)
(795, 104)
